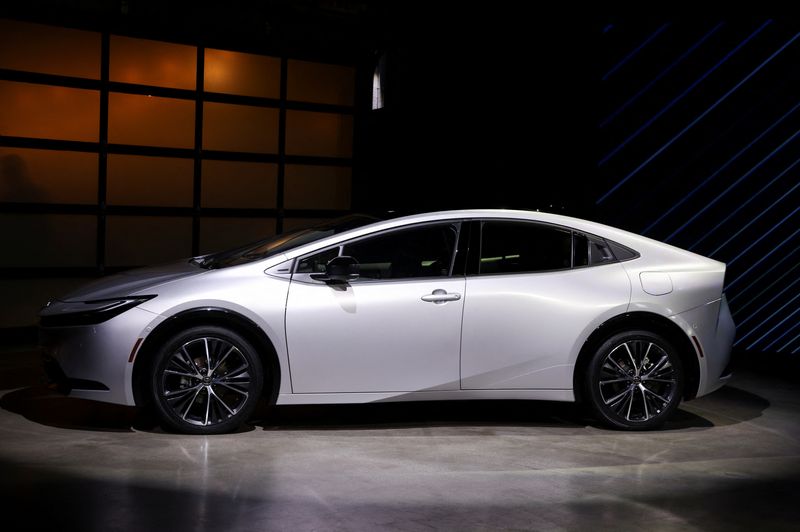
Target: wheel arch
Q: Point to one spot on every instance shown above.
(215, 316)
(648, 321)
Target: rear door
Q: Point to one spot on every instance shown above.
(528, 302)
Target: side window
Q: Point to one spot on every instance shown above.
(599, 252)
(622, 253)
(509, 247)
(406, 253)
(316, 263)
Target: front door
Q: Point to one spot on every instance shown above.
(397, 328)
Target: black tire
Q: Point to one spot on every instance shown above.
(628, 387)
(187, 399)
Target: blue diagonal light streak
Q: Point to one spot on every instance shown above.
(768, 97)
(754, 220)
(786, 332)
(731, 186)
(663, 73)
(776, 296)
(762, 259)
(755, 297)
(635, 51)
(790, 342)
(680, 96)
(754, 329)
(744, 204)
(762, 237)
(730, 161)
(696, 120)
(785, 257)
(784, 320)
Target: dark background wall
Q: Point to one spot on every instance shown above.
(682, 129)
(697, 145)
(483, 108)
(685, 131)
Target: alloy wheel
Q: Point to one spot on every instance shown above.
(637, 381)
(206, 381)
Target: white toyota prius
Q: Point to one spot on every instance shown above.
(479, 304)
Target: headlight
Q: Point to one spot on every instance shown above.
(71, 314)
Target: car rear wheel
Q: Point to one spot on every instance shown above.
(635, 381)
(206, 380)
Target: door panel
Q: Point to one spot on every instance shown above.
(374, 336)
(519, 329)
(377, 333)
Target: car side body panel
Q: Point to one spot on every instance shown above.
(526, 330)
(245, 290)
(411, 344)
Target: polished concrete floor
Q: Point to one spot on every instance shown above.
(730, 461)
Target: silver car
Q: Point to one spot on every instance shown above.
(479, 304)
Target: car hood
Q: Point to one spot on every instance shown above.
(133, 282)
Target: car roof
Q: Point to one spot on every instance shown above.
(508, 214)
(651, 251)
(467, 214)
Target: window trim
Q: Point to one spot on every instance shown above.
(458, 223)
(532, 222)
(472, 264)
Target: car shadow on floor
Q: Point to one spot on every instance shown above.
(474, 413)
(47, 407)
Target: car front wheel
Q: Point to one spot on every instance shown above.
(635, 381)
(206, 380)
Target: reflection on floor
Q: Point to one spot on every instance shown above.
(727, 461)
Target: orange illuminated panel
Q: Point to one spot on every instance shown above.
(47, 176)
(150, 121)
(239, 184)
(245, 74)
(49, 49)
(157, 181)
(218, 234)
(142, 240)
(240, 128)
(320, 83)
(320, 134)
(42, 111)
(149, 62)
(317, 187)
(48, 240)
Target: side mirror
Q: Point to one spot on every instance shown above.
(339, 270)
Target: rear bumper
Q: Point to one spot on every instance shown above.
(712, 328)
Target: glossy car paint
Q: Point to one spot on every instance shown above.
(507, 336)
(412, 344)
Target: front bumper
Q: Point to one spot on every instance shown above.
(93, 361)
(58, 379)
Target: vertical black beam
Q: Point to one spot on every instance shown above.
(102, 158)
(198, 151)
(282, 145)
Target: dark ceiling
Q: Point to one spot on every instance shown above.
(336, 30)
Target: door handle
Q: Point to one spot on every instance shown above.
(440, 297)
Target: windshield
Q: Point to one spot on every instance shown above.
(282, 243)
